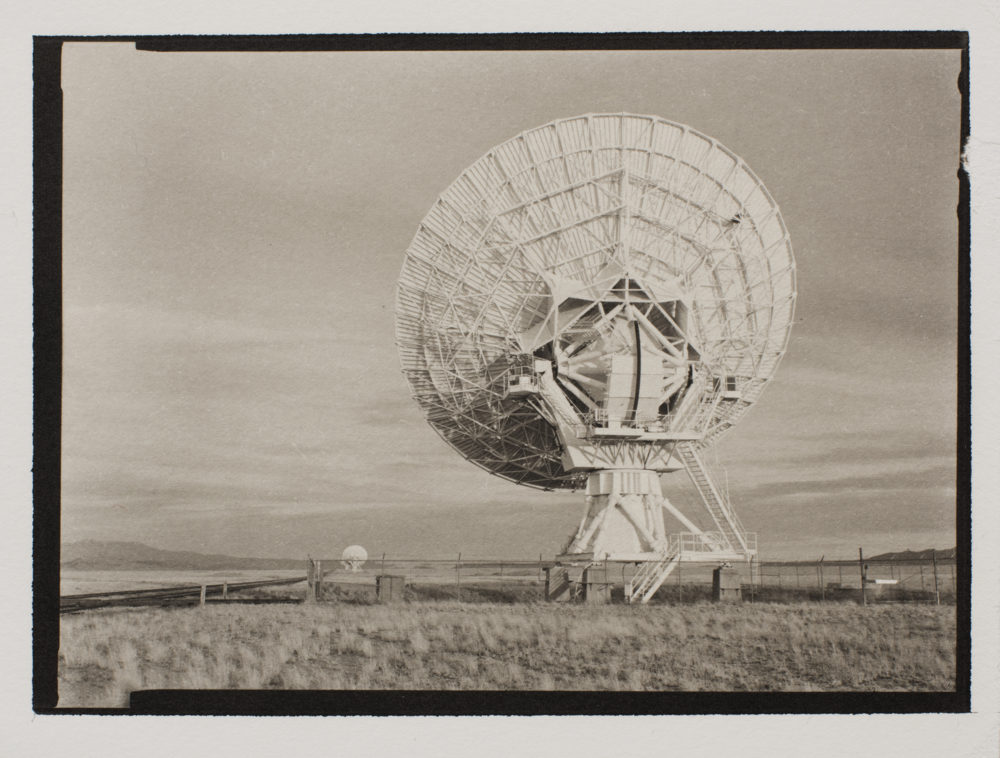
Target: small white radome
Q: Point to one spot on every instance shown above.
(354, 557)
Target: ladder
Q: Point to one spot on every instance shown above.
(722, 514)
(652, 574)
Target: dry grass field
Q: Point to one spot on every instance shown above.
(106, 654)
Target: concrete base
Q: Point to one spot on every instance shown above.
(726, 585)
(596, 587)
(562, 583)
(388, 588)
(558, 588)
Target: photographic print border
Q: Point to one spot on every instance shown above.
(47, 344)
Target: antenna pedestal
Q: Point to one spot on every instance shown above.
(623, 519)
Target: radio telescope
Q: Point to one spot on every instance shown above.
(592, 304)
(354, 557)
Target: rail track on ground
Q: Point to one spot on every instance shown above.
(185, 594)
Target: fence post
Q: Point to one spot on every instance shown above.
(680, 592)
(822, 585)
(204, 591)
(225, 590)
(922, 587)
(864, 577)
(383, 564)
(319, 580)
(937, 594)
(310, 580)
(502, 587)
(458, 578)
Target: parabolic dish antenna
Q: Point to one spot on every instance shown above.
(591, 304)
(354, 557)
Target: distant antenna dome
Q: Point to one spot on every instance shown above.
(354, 557)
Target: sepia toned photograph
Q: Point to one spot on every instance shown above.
(542, 372)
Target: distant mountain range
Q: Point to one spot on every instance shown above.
(95, 555)
(916, 555)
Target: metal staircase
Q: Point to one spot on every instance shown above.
(723, 516)
(651, 575)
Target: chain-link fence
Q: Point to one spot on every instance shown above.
(917, 580)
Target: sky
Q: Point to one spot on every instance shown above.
(234, 225)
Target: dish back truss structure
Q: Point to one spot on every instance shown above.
(592, 304)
